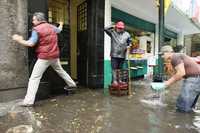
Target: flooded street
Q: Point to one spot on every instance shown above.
(89, 111)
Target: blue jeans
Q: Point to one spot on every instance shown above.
(190, 92)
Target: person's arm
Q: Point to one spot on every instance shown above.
(180, 72)
(59, 28)
(28, 43)
(129, 41)
(109, 29)
(60, 25)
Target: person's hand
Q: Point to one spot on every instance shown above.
(17, 38)
(113, 24)
(157, 86)
(128, 47)
(61, 23)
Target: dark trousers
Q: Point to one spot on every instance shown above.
(116, 64)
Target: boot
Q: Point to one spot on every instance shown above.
(114, 78)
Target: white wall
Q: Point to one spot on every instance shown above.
(180, 39)
(107, 22)
(156, 39)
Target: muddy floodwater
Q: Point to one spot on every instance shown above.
(90, 111)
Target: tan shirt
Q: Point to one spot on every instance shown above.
(191, 67)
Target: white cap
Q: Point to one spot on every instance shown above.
(166, 48)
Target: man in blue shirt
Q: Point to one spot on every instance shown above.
(45, 37)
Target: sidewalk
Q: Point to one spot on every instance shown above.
(89, 111)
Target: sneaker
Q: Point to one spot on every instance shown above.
(70, 87)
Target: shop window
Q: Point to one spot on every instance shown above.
(148, 47)
(195, 49)
(82, 16)
(141, 40)
(58, 11)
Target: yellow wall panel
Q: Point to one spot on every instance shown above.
(73, 41)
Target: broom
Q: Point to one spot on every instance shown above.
(129, 73)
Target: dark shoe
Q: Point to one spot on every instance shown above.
(25, 105)
(70, 87)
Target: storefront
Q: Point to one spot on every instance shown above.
(85, 48)
(144, 34)
(195, 47)
(142, 22)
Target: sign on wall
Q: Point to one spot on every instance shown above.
(189, 7)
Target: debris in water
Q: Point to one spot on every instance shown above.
(13, 115)
(41, 117)
(177, 126)
(82, 109)
(39, 123)
(169, 124)
(98, 129)
(53, 100)
(99, 118)
(21, 129)
(97, 110)
(130, 96)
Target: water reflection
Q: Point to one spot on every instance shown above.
(155, 99)
(196, 122)
(154, 123)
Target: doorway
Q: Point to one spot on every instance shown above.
(58, 10)
(55, 11)
(82, 41)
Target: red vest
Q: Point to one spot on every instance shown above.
(47, 47)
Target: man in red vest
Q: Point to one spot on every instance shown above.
(44, 36)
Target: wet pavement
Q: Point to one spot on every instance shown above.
(90, 111)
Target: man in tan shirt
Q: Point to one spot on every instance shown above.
(188, 70)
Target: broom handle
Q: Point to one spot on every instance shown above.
(129, 73)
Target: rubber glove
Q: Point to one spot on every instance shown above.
(158, 86)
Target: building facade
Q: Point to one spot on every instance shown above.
(13, 58)
(85, 48)
(81, 44)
